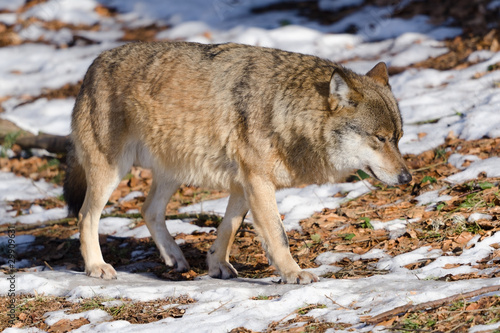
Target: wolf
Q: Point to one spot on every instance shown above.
(246, 119)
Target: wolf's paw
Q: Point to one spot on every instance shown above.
(179, 264)
(102, 271)
(221, 269)
(174, 258)
(300, 277)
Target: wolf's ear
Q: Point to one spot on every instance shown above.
(341, 92)
(379, 73)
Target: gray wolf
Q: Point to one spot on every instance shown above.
(247, 119)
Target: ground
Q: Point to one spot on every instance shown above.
(447, 228)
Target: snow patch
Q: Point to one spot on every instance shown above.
(490, 166)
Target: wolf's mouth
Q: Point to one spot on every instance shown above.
(370, 171)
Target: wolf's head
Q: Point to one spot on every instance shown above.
(366, 125)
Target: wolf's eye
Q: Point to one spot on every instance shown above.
(380, 138)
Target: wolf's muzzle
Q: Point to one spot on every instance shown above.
(404, 177)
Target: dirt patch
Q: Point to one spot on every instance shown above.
(31, 310)
(457, 317)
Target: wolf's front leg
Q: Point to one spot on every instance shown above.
(261, 197)
(218, 255)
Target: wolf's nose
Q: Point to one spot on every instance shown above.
(404, 177)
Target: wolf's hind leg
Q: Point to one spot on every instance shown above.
(218, 255)
(153, 211)
(102, 179)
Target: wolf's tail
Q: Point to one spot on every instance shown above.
(75, 182)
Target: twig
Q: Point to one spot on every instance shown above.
(21, 227)
(426, 305)
(47, 264)
(467, 193)
(429, 166)
(331, 299)
(222, 305)
(402, 329)
(288, 315)
(454, 329)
